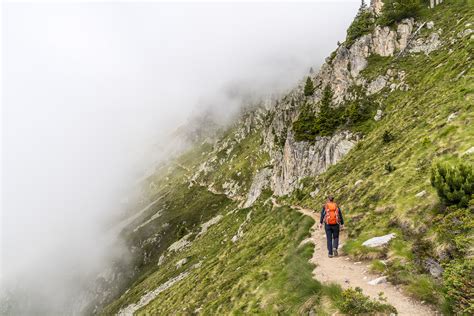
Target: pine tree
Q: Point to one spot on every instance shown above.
(327, 121)
(308, 87)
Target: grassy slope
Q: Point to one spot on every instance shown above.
(385, 202)
(263, 271)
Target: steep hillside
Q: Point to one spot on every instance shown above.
(216, 233)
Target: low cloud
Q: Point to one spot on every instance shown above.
(89, 88)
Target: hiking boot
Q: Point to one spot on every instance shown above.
(335, 252)
(330, 255)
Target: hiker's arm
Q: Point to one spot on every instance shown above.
(321, 219)
(340, 216)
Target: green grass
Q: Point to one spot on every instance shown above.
(266, 271)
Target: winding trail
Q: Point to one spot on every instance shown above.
(346, 273)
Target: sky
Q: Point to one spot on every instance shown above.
(89, 88)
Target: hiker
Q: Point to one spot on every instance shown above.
(332, 216)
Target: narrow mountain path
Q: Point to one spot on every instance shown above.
(343, 271)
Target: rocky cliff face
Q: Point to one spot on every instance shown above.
(301, 159)
(293, 160)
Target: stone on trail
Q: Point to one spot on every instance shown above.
(376, 281)
(378, 241)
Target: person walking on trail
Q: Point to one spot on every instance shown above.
(331, 215)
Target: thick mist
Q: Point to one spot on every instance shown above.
(89, 89)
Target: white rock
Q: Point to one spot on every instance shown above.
(376, 281)
(260, 182)
(180, 263)
(469, 151)
(205, 226)
(378, 115)
(452, 116)
(358, 182)
(180, 244)
(430, 25)
(314, 193)
(420, 194)
(378, 241)
(378, 84)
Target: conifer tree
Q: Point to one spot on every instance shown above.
(308, 87)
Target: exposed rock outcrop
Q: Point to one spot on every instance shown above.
(302, 159)
(260, 181)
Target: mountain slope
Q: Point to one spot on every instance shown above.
(395, 99)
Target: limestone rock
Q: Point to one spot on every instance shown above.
(427, 45)
(378, 241)
(260, 181)
(376, 5)
(378, 84)
(452, 116)
(378, 115)
(433, 267)
(181, 263)
(420, 194)
(469, 151)
(404, 31)
(376, 281)
(430, 25)
(384, 41)
(314, 193)
(358, 182)
(302, 159)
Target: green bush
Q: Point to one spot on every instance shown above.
(354, 302)
(308, 87)
(387, 137)
(359, 111)
(306, 127)
(309, 125)
(362, 24)
(423, 288)
(389, 167)
(454, 182)
(456, 227)
(394, 11)
(459, 286)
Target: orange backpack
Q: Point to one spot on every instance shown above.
(332, 214)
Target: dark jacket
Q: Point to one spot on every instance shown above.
(323, 215)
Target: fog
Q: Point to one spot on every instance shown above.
(89, 89)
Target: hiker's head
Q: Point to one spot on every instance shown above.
(330, 198)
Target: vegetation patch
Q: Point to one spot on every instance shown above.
(354, 302)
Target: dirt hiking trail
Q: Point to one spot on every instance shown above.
(343, 271)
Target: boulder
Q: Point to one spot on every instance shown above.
(181, 263)
(378, 115)
(420, 194)
(469, 151)
(378, 84)
(378, 241)
(452, 116)
(433, 267)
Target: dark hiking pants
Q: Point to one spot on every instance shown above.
(332, 236)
